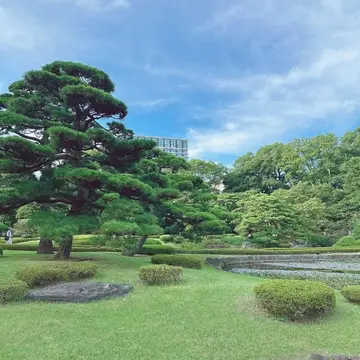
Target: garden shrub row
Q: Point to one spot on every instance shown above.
(295, 299)
(177, 260)
(167, 249)
(351, 293)
(42, 275)
(160, 274)
(157, 249)
(269, 251)
(12, 290)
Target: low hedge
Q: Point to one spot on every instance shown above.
(351, 293)
(41, 275)
(14, 290)
(153, 242)
(167, 249)
(156, 249)
(160, 274)
(177, 260)
(81, 248)
(269, 251)
(295, 299)
(347, 241)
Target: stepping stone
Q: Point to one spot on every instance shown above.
(79, 292)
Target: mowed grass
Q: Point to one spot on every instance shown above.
(211, 315)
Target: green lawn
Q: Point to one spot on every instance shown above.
(211, 315)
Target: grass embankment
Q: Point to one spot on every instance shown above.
(211, 315)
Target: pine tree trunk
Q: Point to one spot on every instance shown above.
(137, 248)
(64, 250)
(45, 247)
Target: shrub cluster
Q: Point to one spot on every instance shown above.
(13, 290)
(185, 261)
(295, 299)
(160, 274)
(177, 239)
(351, 293)
(157, 249)
(41, 275)
(167, 238)
(83, 248)
(154, 242)
(210, 243)
(269, 251)
(347, 241)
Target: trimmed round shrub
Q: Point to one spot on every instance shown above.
(156, 249)
(153, 242)
(167, 238)
(347, 241)
(177, 260)
(295, 299)
(42, 275)
(160, 274)
(351, 293)
(14, 290)
(214, 244)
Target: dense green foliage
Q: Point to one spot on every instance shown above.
(12, 290)
(347, 241)
(41, 275)
(160, 274)
(156, 249)
(295, 299)
(351, 293)
(177, 260)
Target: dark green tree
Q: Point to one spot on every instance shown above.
(54, 140)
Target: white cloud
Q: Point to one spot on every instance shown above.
(320, 87)
(98, 5)
(154, 103)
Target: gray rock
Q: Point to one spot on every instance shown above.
(79, 292)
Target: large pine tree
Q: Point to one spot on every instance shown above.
(53, 138)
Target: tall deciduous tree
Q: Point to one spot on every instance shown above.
(209, 171)
(51, 120)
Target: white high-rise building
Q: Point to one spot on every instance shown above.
(176, 146)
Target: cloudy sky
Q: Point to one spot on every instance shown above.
(230, 75)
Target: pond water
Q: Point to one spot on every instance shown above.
(334, 270)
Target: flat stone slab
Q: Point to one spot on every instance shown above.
(79, 292)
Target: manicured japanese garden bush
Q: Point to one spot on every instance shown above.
(41, 275)
(160, 274)
(210, 243)
(154, 242)
(351, 293)
(157, 249)
(185, 261)
(12, 290)
(167, 238)
(295, 299)
(347, 241)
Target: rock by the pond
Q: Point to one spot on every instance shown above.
(79, 292)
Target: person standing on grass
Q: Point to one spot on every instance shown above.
(8, 237)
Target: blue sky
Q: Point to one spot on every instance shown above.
(230, 75)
